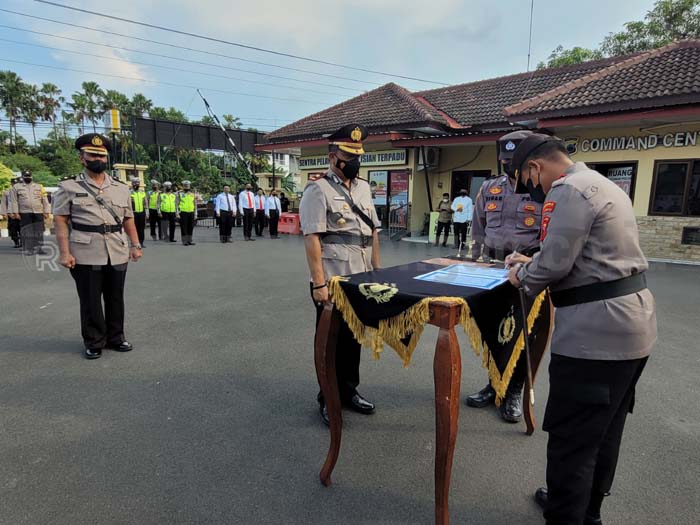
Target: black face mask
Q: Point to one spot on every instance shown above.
(537, 193)
(27, 179)
(96, 166)
(350, 169)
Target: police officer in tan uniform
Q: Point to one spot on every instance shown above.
(504, 222)
(341, 240)
(29, 204)
(605, 322)
(97, 237)
(13, 224)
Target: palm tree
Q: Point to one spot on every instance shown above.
(230, 121)
(51, 101)
(67, 118)
(79, 106)
(93, 97)
(30, 106)
(140, 105)
(11, 87)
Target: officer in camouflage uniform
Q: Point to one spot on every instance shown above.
(29, 204)
(98, 246)
(605, 322)
(338, 242)
(505, 222)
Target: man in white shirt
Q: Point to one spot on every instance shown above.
(260, 202)
(225, 208)
(273, 208)
(247, 206)
(462, 206)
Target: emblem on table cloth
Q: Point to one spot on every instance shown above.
(496, 190)
(381, 293)
(506, 329)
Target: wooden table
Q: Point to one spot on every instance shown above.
(447, 371)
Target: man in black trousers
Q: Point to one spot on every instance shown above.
(246, 203)
(225, 210)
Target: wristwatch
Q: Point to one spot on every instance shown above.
(138, 246)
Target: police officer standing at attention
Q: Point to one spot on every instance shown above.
(504, 222)
(605, 322)
(139, 204)
(260, 202)
(187, 211)
(98, 246)
(13, 224)
(167, 210)
(29, 204)
(273, 208)
(246, 206)
(153, 218)
(340, 225)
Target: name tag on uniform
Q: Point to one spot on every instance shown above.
(338, 198)
(81, 194)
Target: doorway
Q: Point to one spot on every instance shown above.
(470, 180)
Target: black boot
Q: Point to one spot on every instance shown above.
(592, 513)
(482, 398)
(511, 408)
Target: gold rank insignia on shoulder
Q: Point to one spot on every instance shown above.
(356, 134)
(381, 293)
(97, 141)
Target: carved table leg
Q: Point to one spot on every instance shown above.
(324, 354)
(447, 370)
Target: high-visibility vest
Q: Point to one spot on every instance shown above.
(167, 202)
(187, 202)
(153, 200)
(138, 198)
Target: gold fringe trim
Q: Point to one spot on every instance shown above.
(412, 322)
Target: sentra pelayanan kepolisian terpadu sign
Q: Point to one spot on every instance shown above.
(680, 139)
(390, 157)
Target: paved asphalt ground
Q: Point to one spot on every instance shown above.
(212, 418)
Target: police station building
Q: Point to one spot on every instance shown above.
(635, 119)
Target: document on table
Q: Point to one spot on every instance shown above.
(469, 276)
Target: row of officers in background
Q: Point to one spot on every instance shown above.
(27, 207)
(162, 207)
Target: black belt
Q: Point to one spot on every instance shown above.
(503, 253)
(346, 238)
(599, 291)
(96, 228)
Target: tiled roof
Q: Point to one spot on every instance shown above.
(666, 76)
(387, 108)
(481, 103)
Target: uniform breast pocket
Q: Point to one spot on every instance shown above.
(84, 203)
(335, 252)
(529, 216)
(80, 237)
(494, 214)
(338, 213)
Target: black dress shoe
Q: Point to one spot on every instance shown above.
(93, 353)
(512, 407)
(482, 398)
(542, 500)
(124, 346)
(192, 243)
(323, 410)
(359, 404)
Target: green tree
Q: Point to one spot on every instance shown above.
(50, 100)
(11, 89)
(93, 96)
(230, 121)
(171, 113)
(139, 105)
(20, 143)
(30, 106)
(58, 154)
(564, 57)
(667, 21)
(6, 175)
(22, 161)
(208, 121)
(79, 105)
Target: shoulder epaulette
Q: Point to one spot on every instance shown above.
(117, 179)
(317, 177)
(69, 177)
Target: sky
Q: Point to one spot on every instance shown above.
(441, 41)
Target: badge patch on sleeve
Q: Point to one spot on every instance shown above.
(496, 190)
(529, 221)
(549, 207)
(491, 206)
(543, 229)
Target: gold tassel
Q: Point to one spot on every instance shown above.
(412, 322)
